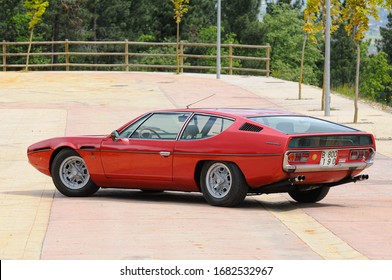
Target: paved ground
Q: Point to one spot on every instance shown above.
(36, 222)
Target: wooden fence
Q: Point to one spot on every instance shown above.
(129, 56)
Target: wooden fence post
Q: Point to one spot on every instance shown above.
(4, 56)
(66, 55)
(268, 60)
(181, 57)
(230, 59)
(126, 55)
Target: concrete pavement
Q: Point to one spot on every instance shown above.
(36, 222)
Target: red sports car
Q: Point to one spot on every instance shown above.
(223, 153)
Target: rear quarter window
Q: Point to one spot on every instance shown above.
(205, 126)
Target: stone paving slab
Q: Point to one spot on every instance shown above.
(37, 222)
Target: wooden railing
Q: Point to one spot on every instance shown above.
(129, 56)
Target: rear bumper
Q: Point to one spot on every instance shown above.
(318, 168)
(341, 166)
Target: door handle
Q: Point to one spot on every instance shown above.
(164, 154)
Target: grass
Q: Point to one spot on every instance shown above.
(346, 90)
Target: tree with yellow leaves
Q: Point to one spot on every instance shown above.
(180, 9)
(35, 11)
(357, 14)
(315, 23)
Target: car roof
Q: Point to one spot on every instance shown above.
(240, 112)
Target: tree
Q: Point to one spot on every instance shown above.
(241, 17)
(385, 43)
(13, 21)
(35, 10)
(376, 78)
(201, 14)
(180, 9)
(314, 15)
(285, 34)
(297, 4)
(342, 59)
(209, 35)
(357, 13)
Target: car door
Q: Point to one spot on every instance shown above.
(143, 151)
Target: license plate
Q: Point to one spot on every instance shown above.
(328, 157)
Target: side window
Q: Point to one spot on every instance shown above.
(165, 126)
(201, 126)
(127, 132)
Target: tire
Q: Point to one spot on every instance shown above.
(309, 196)
(223, 184)
(70, 174)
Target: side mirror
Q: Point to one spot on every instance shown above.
(114, 135)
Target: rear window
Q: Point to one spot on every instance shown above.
(301, 124)
(330, 141)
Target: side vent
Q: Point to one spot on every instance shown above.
(250, 127)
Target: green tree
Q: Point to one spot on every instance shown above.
(35, 10)
(376, 78)
(201, 14)
(241, 17)
(357, 15)
(342, 59)
(13, 21)
(297, 4)
(209, 35)
(180, 9)
(285, 34)
(385, 43)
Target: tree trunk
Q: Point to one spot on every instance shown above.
(357, 82)
(29, 49)
(302, 67)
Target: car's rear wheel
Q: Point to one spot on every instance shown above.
(310, 196)
(70, 174)
(223, 184)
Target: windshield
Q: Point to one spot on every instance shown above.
(301, 124)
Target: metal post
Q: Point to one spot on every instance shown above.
(218, 42)
(327, 81)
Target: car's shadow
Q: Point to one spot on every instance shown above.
(171, 197)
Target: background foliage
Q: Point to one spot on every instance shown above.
(281, 24)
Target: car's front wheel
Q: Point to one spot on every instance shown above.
(223, 184)
(70, 174)
(309, 196)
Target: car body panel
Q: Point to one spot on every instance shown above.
(138, 159)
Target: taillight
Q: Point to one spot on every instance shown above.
(296, 157)
(359, 155)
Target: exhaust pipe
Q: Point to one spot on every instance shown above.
(360, 178)
(298, 179)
